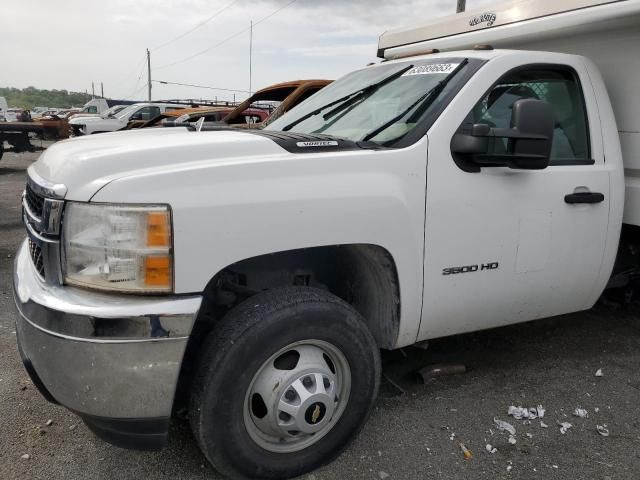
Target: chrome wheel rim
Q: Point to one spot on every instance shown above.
(297, 396)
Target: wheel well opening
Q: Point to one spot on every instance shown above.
(363, 275)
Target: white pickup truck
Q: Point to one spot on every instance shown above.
(115, 120)
(256, 274)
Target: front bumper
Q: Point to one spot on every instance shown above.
(112, 359)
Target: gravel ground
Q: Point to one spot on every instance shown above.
(412, 434)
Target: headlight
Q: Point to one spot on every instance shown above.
(118, 247)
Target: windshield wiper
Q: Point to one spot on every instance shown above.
(348, 99)
(425, 100)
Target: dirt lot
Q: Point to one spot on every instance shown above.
(413, 434)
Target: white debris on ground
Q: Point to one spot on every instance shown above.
(580, 412)
(599, 373)
(564, 427)
(49, 423)
(603, 430)
(504, 426)
(26, 456)
(512, 440)
(529, 435)
(531, 413)
(543, 425)
(490, 448)
(383, 475)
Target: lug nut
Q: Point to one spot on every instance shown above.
(290, 395)
(307, 382)
(284, 416)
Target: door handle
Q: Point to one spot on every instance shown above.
(584, 197)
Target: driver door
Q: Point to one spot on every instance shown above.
(503, 245)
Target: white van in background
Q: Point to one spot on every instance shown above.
(95, 105)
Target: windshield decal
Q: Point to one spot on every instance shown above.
(431, 69)
(318, 143)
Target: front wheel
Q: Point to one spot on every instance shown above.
(285, 381)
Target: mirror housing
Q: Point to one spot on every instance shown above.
(525, 145)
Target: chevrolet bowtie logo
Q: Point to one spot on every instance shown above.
(315, 414)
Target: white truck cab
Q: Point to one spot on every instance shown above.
(253, 276)
(116, 120)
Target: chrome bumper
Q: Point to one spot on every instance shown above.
(102, 356)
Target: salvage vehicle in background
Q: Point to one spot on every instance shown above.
(137, 111)
(13, 114)
(277, 99)
(171, 117)
(106, 114)
(37, 111)
(210, 115)
(99, 106)
(259, 272)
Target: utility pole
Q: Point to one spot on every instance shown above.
(102, 89)
(149, 73)
(250, 53)
(462, 5)
(93, 90)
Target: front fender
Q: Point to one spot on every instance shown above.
(227, 212)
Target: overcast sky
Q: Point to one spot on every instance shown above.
(67, 44)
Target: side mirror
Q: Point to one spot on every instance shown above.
(525, 145)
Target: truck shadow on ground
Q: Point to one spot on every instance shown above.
(501, 363)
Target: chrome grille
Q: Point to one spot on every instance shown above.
(42, 204)
(36, 257)
(34, 201)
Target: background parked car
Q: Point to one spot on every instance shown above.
(277, 99)
(111, 123)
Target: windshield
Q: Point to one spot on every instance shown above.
(112, 111)
(390, 97)
(125, 112)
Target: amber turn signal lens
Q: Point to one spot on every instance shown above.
(157, 271)
(158, 229)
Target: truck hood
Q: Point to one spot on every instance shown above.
(86, 164)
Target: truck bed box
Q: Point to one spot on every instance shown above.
(607, 32)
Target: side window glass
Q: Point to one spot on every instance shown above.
(561, 90)
(146, 113)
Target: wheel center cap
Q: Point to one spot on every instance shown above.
(315, 413)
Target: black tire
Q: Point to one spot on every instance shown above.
(236, 349)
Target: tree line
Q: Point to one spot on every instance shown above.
(30, 97)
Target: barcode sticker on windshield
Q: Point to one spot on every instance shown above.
(431, 69)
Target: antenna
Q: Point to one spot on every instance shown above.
(149, 73)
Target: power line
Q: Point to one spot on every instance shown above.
(199, 86)
(197, 26)
(136, 89)
(228, 38)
